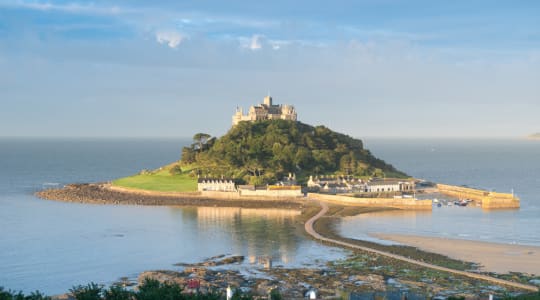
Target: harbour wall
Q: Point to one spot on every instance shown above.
(279, 194)
(487, 199)
(251, 195)
(402, 203)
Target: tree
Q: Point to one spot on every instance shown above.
(200, 140)
(264, 151)
(188, 155)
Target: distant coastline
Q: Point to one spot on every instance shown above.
(534, 136)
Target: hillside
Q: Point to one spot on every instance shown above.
(265, 151)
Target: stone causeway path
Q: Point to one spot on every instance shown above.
(311, 231)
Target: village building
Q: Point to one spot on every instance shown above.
(265, 111)
(389, 185)
(288, 180)
(349, 184)
(336, 184)
(214, 184)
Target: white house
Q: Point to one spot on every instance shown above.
(389, 185)
(213, 184)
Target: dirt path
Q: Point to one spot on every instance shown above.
(309, 229)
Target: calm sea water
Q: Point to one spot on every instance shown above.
(52, 246)
(502, 165)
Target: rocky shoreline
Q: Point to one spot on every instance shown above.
(361, 274)
(102, 193)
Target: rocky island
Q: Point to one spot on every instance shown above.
(266, 155)
(268, 159)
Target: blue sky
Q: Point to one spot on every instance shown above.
(173, 68)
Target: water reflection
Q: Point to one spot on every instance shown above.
(252, 232)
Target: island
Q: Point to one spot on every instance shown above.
(269, 159)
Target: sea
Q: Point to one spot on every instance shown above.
(52, 246)
(502, 165)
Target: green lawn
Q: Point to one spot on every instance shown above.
(160, 180)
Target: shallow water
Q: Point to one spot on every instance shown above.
(52, 246)
(502, 165)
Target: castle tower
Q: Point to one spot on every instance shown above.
(267, 101)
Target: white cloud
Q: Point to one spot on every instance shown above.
(171, 38)
(76, 8)
(255, 42)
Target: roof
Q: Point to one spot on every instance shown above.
(203, 179)
(389, 181)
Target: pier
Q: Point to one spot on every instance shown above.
(487, 199)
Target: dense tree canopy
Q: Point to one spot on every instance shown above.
(264, 151)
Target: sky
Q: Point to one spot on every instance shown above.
(367, 68)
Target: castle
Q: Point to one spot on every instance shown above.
(265, 111)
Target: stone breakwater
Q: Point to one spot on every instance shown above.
(487, 199)
(102, 193)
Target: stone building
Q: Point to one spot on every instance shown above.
(265, 111)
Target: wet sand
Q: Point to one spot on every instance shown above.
(493, 257)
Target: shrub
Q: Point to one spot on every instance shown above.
(10, 295)
(91, 291)
(176, 170)
(37, 296)
(117, 293)
(275, 295)
(152, 289)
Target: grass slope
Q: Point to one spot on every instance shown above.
(160, 180)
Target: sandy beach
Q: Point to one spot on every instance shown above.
(494, 257)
